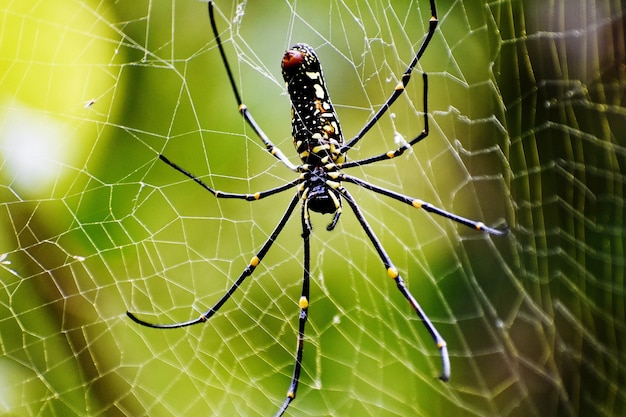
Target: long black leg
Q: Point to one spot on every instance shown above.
(419, 204)
(271, 148)
(406, 77)
(256, 260)
(393, 273)
(401, 149)
(221, 194)
(304, 309)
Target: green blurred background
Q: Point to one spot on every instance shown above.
(528, 113)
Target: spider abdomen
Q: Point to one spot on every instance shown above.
(315, 128)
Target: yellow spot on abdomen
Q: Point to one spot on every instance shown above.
(319, 91)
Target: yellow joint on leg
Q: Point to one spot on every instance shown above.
(391, 154)
(336, 203)
(242, 107)
(399, 87)
(441, 345)
(257, 196)
(480, 226)
(333, 184)
(291, 394)
(303, 303)
(392, 272)
(254, 261)
(417, 203)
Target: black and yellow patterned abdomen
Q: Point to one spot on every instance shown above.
(315, 128)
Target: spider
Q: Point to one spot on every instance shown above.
(319, 141)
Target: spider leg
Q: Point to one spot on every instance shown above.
(392, 154)
(304, 308)
(419, 204)
(271, 148)
(393, 274)
(221, 194)
(254, 262)
(406, 77)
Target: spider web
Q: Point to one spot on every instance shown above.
(528, 111)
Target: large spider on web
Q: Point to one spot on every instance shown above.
(319, 142)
